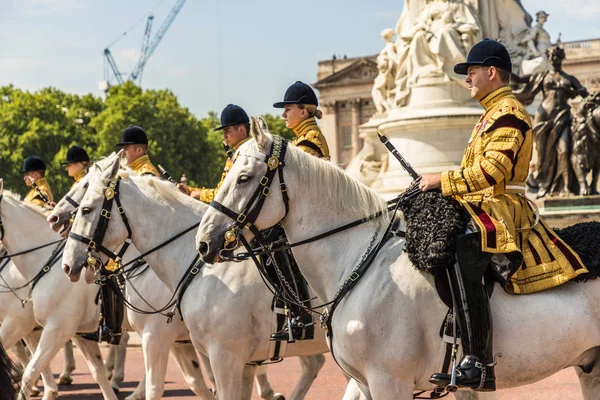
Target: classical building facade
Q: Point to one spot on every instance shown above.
(345, 93)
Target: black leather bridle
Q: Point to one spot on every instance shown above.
(247, 217)
(111, 194)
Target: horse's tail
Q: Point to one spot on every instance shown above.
(584, 238)
(9, 377)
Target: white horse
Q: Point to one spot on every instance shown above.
(158, 338)
(226, 311)
(62, 308)
(386, 330)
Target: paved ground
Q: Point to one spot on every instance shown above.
(329, 385)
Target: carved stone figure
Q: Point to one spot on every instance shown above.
(537, 41)
(586, 144)
(552, 124)
(382, 91)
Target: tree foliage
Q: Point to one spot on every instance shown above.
(47, 122)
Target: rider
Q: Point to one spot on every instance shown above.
(34, 171)
(76, 163)
(135, 148)
(236, 126)
(299, 112)
(527, 255)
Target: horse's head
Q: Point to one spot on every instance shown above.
(250, 195)
(61, 217)
(94, 229)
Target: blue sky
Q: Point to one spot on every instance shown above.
(217, 51)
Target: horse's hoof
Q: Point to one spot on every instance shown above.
(278, 396)
(35, 392)
(64, 380)
(134, 396)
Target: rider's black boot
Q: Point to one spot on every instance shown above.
(113, 311)
(303, 328)
(476, 369)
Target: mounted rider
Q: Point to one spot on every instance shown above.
(134, 143)
(235, 125)
(34, 175)
(76, 163)
(490, 184)
(300, 111)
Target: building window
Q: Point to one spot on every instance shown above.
(346, 137)
(342, 105)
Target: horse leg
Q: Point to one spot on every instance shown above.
(21, 353)
(93, 357)
(156, 358)
(118, 370)
(263, 387)
(356, 391)
(65, 377)
(228, 368)
(589, 374)
(140, 391)
(311, 365)
(186, 358)
(44, 345)
(209, 372)
(384, 386)
(248, 381)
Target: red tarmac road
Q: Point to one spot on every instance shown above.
(329, 385)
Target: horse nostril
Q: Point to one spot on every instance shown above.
(66, 269)
(52, 219)
(203, 248)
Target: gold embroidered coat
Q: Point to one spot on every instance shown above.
(78, 177)
(208, 194)
(310, 138)
(143, 166)
(491, 186)
(33, 197)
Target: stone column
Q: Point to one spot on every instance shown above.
(330, 129)
(356, 108)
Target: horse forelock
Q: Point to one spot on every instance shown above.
(334, 186)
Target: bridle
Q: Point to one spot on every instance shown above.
(247, 217)
(111, 194)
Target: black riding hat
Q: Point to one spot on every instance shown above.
(133, 135)
(298, 93)
(76, 154)
(33, 163)
(233, 115)
(487, 53)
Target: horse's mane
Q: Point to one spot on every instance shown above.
(166, 191)
(335, 186)
(34, 207)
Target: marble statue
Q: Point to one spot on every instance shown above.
(537, 41)
(382, 91)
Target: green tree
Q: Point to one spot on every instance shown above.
(177, 139)
(277, 126)
(44, 123)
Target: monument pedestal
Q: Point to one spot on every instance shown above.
(431, 132)
(560, 212)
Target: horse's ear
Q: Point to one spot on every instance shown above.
(258, 133)
(111, 172)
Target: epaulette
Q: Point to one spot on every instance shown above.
(507, 106)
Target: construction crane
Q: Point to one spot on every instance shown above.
(148, 47)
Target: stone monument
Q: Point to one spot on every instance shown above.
(426, 111)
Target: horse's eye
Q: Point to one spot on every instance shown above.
(86, 210)
(243, 178)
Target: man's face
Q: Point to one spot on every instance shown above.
(132, 152)
(479, 80)
(293, 115)
(232, 135)
(30, 177)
